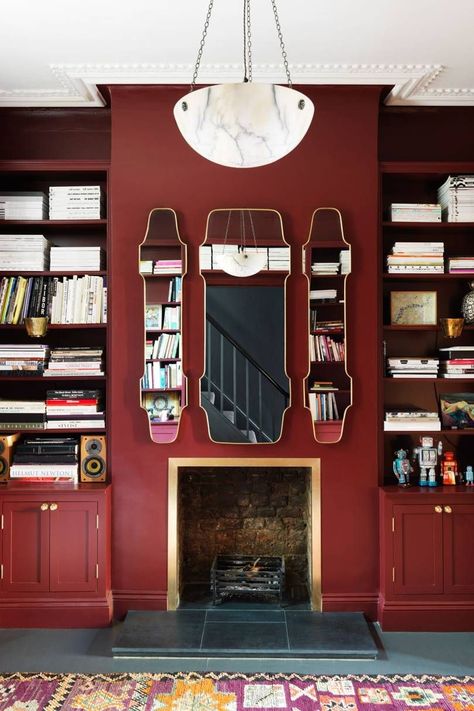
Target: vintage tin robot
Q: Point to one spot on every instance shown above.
(402, 467)
(427, 455)
(449, 469)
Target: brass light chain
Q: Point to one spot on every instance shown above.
(247, 43)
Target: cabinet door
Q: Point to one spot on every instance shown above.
(418, 553)
(73, 546)
(458, 523)
(25, 547)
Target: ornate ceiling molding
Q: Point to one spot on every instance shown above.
(413, 84)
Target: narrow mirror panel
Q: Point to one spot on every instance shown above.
(245, 262)
(162, 258)
(328, 264)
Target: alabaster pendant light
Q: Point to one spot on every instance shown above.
(248, 124)
(240, 260)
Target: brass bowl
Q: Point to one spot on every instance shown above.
(452, 327)
(36, 326)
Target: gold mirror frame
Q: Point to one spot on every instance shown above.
(312, 243)
(244, 280)
(157, 243)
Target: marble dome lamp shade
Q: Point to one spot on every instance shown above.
(243, 125)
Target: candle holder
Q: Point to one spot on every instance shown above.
(452, 327)
(36, 326)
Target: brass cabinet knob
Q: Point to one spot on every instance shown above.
(44, 507)
(53, 507)
(448, 509)
(438, 509)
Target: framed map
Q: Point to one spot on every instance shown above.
(413, 308)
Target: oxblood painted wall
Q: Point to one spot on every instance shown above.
(335, 166)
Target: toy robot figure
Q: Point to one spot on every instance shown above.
(449, 469)
(469, 476)
(402, 467)
(427, 455)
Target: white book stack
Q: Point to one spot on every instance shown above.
(416, 257)
(412, 421)
(278, 258)
(413, 367)
(345, 260)
(415, 212)
(15, 205)
(205, 256)
(456, 196)
(29, 253)
(76, 202)
(84, 259)
(79, 300)
(325, 268)
(461, 265)
(323, 294)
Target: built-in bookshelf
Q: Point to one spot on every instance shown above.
(418, 183)
(327, 265)
(162, 263)
(53, 269)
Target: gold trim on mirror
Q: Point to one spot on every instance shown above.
(310, 243)
(159, 243)
(258, 277)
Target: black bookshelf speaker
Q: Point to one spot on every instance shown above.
(93, 458)
(7, 447)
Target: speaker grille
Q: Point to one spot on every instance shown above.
(93, 466)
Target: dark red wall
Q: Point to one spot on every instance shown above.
(152, 166)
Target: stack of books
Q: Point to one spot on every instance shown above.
(412, 420)
(175, 289)
(319, 268)
(167, 266)
(18, 359)
(461, 265)
(168, 345)
(323, 406)
(205, 256)
(323, 294)
(278, 258)
(46, 459)
(78, 299)
(323, 386)
(79, 259)
(345, 260)
(29, 253)
(146, 266)
(22, 414)
(415, 212)
(413, 367)
(161, 377)
(74, 409)
(416, 257)
(456, 196)
(457, 362)
(75, 361)
(325, 349)
(76, 202)
(324, 325)
(20, 205)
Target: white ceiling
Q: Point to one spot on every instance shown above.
(55, 52)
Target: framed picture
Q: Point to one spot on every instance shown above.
(413, 308)
(153, 316)
(163, 405)
(457, 410)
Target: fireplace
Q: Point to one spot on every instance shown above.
(262, 507)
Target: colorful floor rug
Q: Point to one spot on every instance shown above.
(232, 692)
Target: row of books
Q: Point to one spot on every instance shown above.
(456, 412)
(29, 253)
(81, 259)
(160, 266)
(75, 361)
(415, 212)
(159, 317)
(411, 420)
(343, 266)
(39, 359)
(414, 257)
(323, 295)
(317, 324)
(63, 300)
(453, 362)
(46, 459)
(46, 414)
(20, 359)
(160, 377)
(323, 406)
(456, 197)
(324, 348)
(168, 345)
(276, 258)
(73, 202)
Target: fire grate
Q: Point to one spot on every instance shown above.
(247, 575)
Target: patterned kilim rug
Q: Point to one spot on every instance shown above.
(232, 692)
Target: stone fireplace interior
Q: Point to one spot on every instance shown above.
(260, 508)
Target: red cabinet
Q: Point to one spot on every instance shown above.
(55, 556)
(427, 571)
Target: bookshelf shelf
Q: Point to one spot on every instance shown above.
(427, 277)
(67, 432)
(56, 326)
(430, 226)
(459, 433)
(54, 223)
(420, 328)
(168, 275)
(52, 274)
(163, 360)
(161, 390)
(429, 380)
(48, 378)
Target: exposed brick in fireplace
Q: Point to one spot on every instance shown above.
(251, 511)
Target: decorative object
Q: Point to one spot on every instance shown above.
(243, 125)
(237, 259)
(413, 308)
(467, 307)
(224, 691)
(452, 327)
(36, 326)
(162, 407)
(427, 455)
(469, 476)
(153, 316)
(457, 410)
(449, 469)
(402, 467)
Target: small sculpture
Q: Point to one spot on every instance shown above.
(469, 475)
(427, 455)
(449, 469)
(402, 467)
(467, 307)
